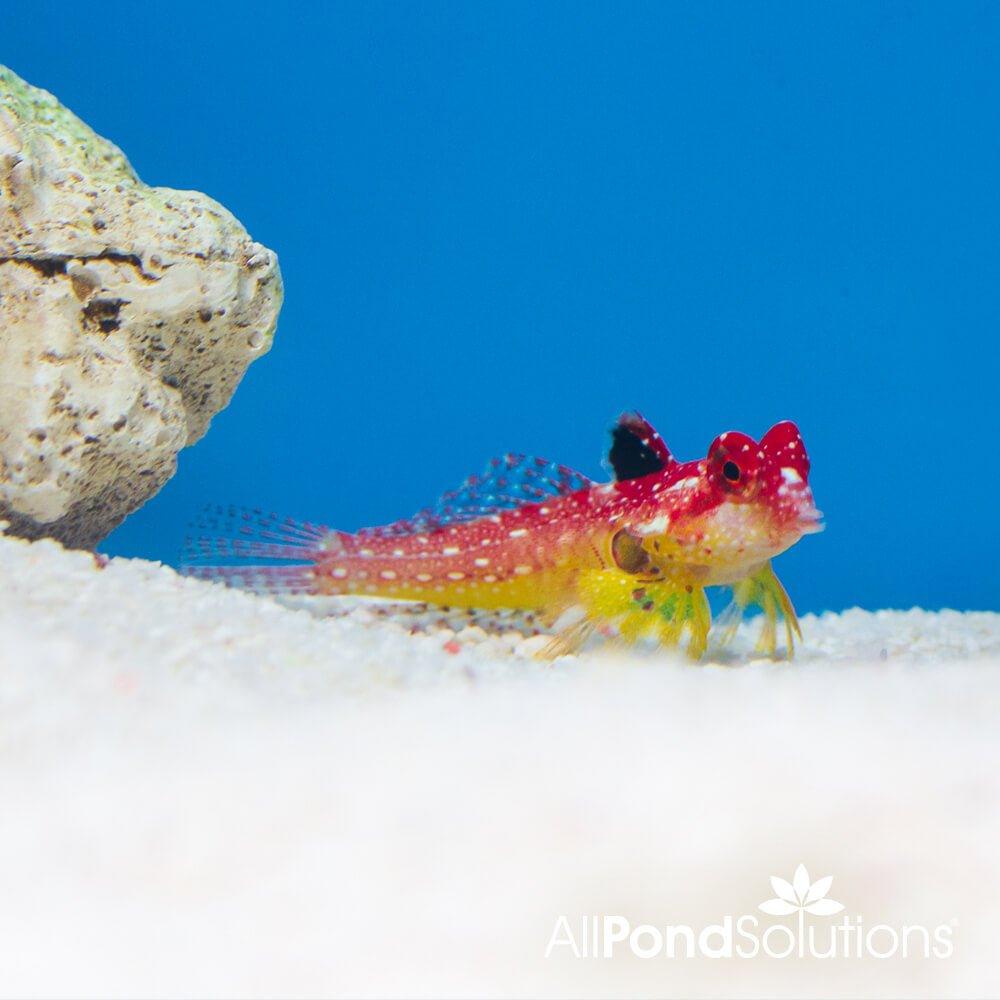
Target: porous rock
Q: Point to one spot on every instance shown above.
(128, 316)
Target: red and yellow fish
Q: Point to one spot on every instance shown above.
(631, 557)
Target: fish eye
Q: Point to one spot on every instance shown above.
(731, 471)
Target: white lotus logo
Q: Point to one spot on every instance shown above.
(800, 896)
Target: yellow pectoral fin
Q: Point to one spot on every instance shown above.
(638, 608)
(764, 590)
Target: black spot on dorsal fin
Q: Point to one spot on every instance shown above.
(636, 449)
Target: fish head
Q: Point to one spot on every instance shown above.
(763, 501)
(716, 520)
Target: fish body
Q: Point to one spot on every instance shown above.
(629, 557)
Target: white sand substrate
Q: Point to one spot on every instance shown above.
(203, 793)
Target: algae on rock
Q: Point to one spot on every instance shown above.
(128, 316)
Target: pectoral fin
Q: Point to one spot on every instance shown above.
(616, 602)
(762, 590)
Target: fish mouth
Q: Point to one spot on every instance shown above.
(810, 522)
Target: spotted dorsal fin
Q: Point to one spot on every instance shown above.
(636, 449)
(508, 482)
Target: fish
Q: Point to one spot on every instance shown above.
(629, 559)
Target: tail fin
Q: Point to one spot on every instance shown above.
(245, 547)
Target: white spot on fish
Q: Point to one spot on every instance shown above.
(517, 533)
(790, 475)
(388, 574)
(451, 551)
(456, 576)
(424, 577)
(684, 484)
(365, 552)
(522, 570)
(340, 572)
(658, 526)
(482, 562)
(490, 578)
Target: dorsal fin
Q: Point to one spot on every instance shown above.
(636, 449)
(508, 482)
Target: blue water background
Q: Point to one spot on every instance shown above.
(500, 224)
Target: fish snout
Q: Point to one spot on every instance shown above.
(807, 517)
(810, 520)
